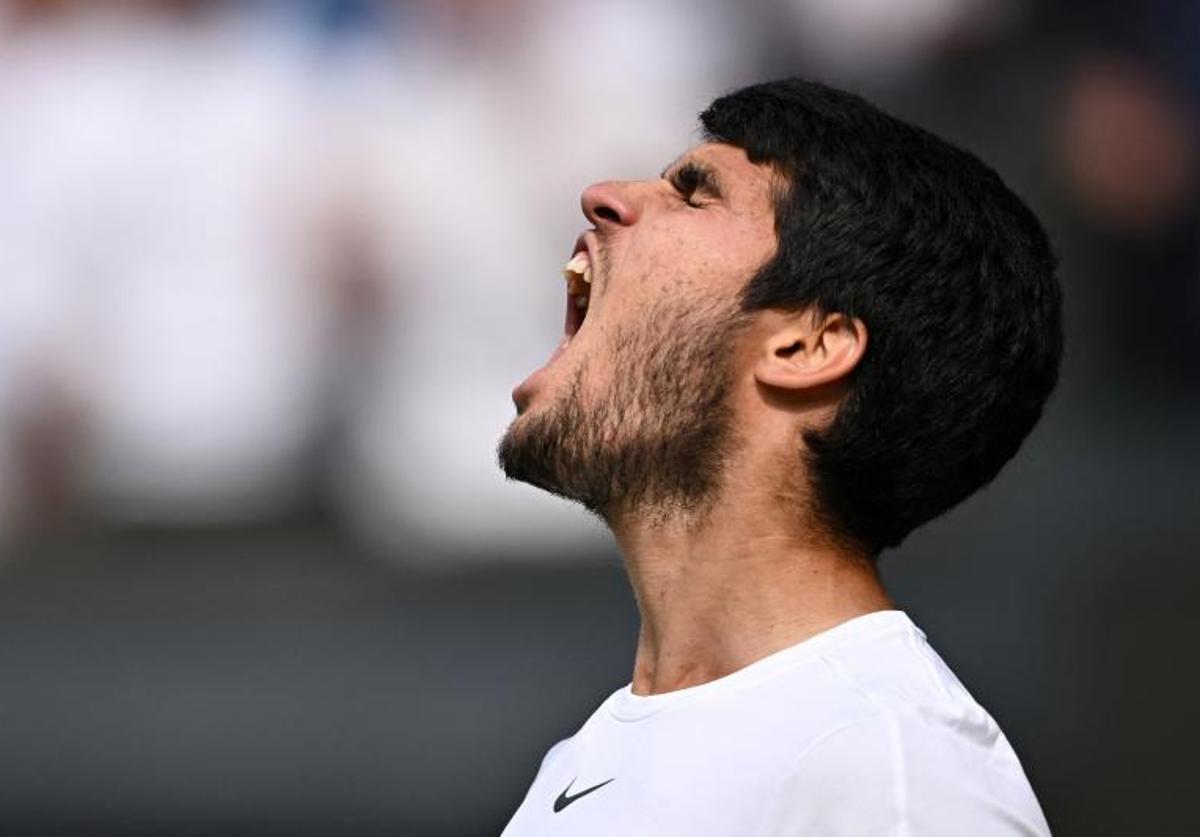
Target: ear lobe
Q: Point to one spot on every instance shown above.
(808, 351)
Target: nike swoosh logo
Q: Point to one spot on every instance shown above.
(564, 800)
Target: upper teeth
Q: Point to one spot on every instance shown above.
(579, 266)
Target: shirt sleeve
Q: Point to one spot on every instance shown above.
(874, 778)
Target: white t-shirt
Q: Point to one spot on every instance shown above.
(861, 730)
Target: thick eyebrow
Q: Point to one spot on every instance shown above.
(693, 177)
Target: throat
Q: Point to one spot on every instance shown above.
(720, 606)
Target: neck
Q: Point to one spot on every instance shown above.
(720, 593)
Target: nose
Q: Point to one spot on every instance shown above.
(611, 202)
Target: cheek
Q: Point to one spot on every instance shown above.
(678, 260)
(742, 257)
(684, 264)
(656, 250)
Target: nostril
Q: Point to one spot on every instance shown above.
(612, 203)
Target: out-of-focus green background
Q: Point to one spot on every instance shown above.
(268, 272)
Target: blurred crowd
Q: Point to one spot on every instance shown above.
(264, 258)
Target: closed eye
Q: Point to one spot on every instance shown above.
(691, 179)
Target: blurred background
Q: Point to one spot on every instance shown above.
(269, 271)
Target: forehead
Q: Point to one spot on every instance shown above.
(751, 185)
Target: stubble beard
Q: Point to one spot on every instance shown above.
(655, 445)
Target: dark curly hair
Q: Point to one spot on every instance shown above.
(949, 270)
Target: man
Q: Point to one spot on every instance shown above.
(819, 329)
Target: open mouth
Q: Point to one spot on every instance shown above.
(578, 275)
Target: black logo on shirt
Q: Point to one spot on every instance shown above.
(563, 800)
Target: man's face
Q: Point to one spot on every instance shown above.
(633, 409)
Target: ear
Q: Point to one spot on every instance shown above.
(804, 350)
